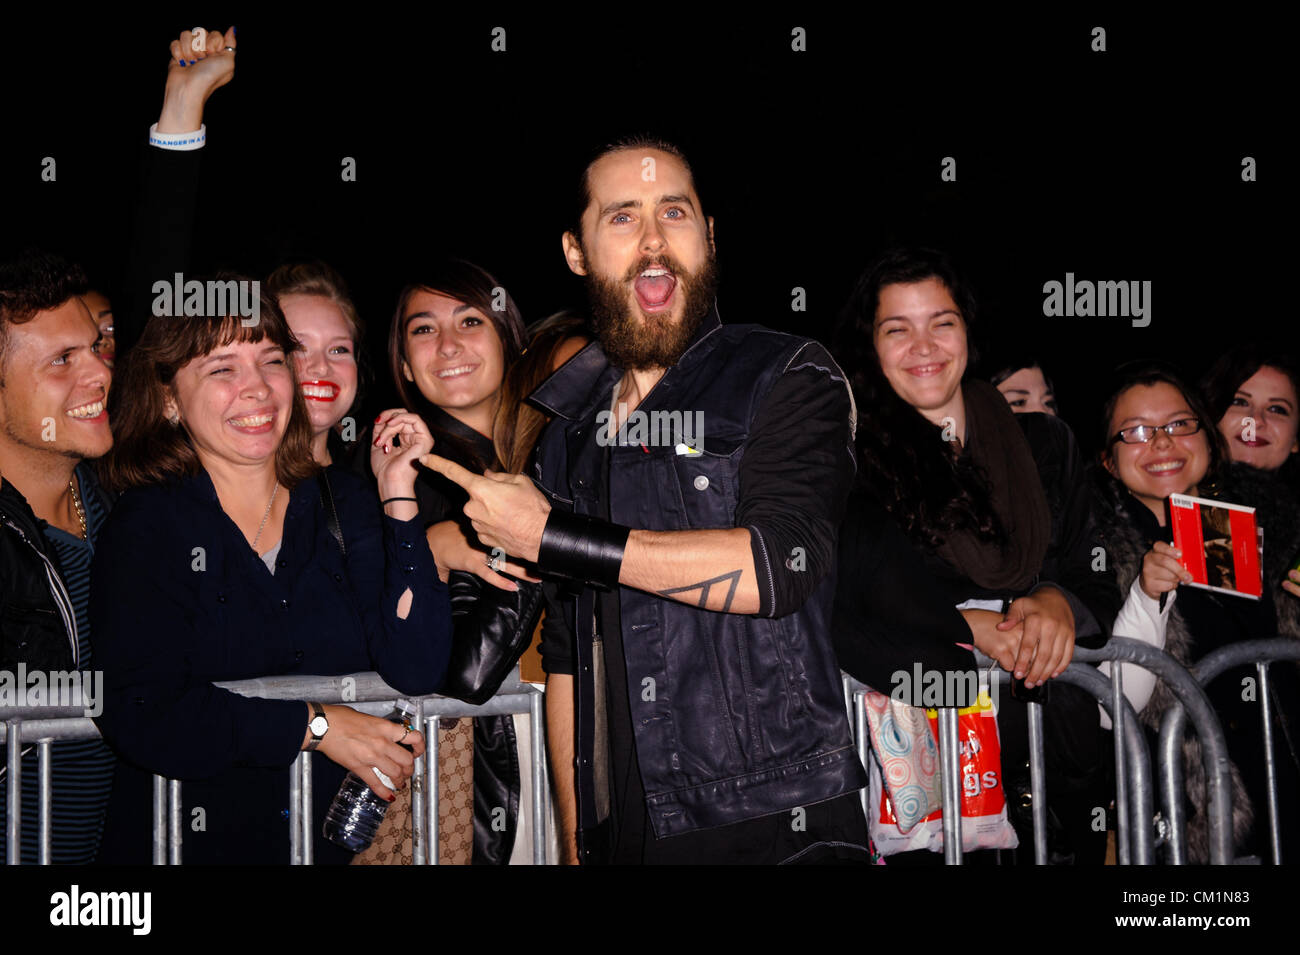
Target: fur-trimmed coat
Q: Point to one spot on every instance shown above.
(1277, 500)
(1126, 545)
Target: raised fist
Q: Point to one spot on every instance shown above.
(201, 61)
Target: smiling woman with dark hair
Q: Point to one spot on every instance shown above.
(987, 512)
(455, 337)
(1159, 440)
(243, 581)
(1252, 396)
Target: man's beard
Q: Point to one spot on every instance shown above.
(635, 341)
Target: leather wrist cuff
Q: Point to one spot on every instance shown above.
(583, 548)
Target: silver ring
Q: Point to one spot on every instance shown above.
(495, 561)
(230, 49)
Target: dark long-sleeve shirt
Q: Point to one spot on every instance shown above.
(889, 610)
(895, 600)
(179, 600)
(894, 604)
(161, 236)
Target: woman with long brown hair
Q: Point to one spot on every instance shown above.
(455, 349)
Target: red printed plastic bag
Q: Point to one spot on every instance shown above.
(984, 811)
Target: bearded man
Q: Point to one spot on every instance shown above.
(694, 704)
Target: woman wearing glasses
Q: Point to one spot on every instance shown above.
(1160, 440)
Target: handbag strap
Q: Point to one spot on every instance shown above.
(331, 513)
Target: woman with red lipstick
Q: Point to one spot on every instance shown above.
(316, 304)
(1157, 442)
(1253, 393)
(993, 505)
(221, 561)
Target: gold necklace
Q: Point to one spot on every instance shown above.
(76, 503)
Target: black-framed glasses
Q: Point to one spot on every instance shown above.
(1142, 433)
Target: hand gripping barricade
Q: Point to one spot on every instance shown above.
(1135, 830)
(1133, 798)
(365, 692)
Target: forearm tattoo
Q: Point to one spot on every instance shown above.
(704, 586)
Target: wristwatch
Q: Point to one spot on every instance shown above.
(319, 726)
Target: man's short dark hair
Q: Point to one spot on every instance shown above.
(625, 144)
(34, 282)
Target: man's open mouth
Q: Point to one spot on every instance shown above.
(654, 287)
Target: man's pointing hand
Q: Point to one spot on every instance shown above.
(506, 510)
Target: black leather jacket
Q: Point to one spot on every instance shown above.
(492, 629)
(497, 780)
(750, 716)
(37, 625)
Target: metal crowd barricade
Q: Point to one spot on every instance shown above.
(1134, 799)
(1193, 700)
(1133, 761)
(40, 725)
(365, 692)
(949, 763)
(1213, 665)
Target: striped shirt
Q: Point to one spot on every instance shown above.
(81, 771)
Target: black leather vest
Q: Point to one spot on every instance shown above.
(747, 715)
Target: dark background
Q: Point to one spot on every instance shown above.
(1122, 165)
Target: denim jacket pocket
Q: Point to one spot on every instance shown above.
(708, 481)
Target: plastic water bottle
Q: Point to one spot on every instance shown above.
(357, 810)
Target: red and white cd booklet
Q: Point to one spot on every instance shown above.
(1220, 544)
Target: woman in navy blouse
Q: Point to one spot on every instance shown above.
(219, 563)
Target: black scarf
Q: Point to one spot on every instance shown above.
(999, 451)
